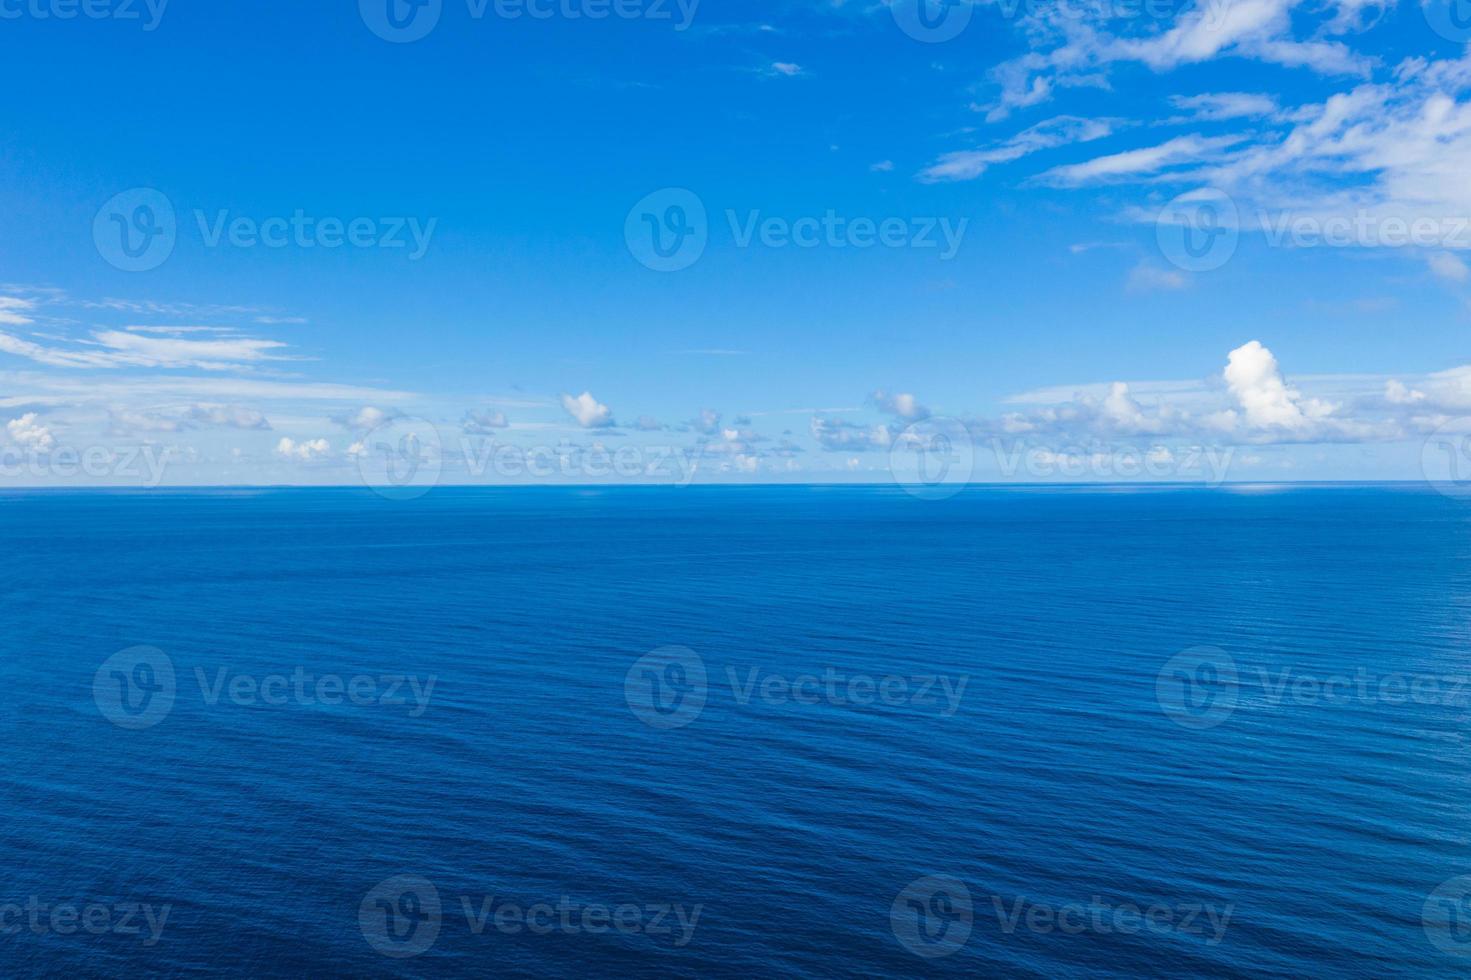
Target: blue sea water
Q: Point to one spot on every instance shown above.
(1062, 766)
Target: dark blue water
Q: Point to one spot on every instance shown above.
(805, 819)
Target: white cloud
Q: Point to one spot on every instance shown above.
(1448, 266)
(1072, 51)
(1250, 403)
(127, 348)
(366, 418)
(29, 434)
(1398, 393)
(882, 167)
(304, 451)
(483, 423)
(588, 411)
(1146, 277)
(707, 422)
(1254, 378)
(1059, 131)
(840, 436)
(901, 405)
(14, 310)
(228, 416)
(62, 389)
(1143, 161)
(786, 69)
(1218, 106)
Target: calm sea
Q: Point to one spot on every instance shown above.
(741, 732)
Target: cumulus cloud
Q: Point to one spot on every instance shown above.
(900, 405)
(838, 435)
(29, 434)
(304, 451)
(1254, 378)
(1398, 393)
(127, 420)
(483, 423)
(588, 411)
(707, 422)
(227, 416)
(1250, 402)
(366, 418)
(647, 423)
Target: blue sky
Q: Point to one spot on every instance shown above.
(904, 233)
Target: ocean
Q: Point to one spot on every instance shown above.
(737, 731)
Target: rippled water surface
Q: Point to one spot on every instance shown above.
(931, 736)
